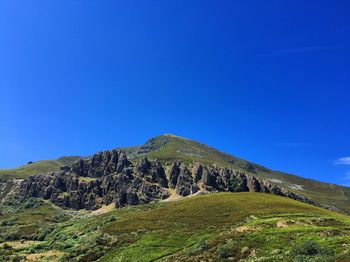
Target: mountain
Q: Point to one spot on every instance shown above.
(171, 199)
(169, 148)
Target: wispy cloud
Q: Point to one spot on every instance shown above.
(342, 161)
(298, 50)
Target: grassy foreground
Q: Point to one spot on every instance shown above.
(217, 227)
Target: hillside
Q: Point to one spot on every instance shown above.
(168, 147)
(218, 227)
(39, 167)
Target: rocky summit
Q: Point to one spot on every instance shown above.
(109, 177)
(171, 199)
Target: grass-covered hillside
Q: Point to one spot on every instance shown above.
(216, 227)
(170, 147)
(44, 166)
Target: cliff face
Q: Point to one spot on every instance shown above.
(109, 177)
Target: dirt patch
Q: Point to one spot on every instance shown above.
(289, 223)
(173, 196)
(244, 229)
(103, 210)
(52, 255)
(20, 244)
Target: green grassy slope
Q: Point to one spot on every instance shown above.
(44, 166)
(170, 147)
(177, 227)
(222, 226)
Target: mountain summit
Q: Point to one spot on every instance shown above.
(171, 199)
(167, 166)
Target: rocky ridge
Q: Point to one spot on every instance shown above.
(109, 177)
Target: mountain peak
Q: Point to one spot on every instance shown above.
(168, 148)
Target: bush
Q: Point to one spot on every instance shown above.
(229, 249)
(311, 251)
(308, 248)
(201, 245)
(12, 234)
(42, 233)
(7, 246)
(222, 252)
(8, 222)
(17, 259)
(32, 202)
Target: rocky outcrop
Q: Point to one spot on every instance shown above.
(181, 179)
(101, 164)
(152, 172)
(109, 177)
(8, 188)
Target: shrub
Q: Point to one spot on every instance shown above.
(7, 246)
(222, 252)
(8, 222)
(12, 234)
(308, 248)
(17, 259)
(32, 202)
(201, 245)
(42, 233)
(311, 251)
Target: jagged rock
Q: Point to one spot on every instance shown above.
(198, 171)
(101, 164)
(173, 175)
(152, 172)
(185, 185)
(114, 179)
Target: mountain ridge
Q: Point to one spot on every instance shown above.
(109, 177)
(168, 148)
(119, 205)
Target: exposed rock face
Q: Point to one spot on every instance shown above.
(101, 164)
(8, 188)
(109, 177)
(183, 181)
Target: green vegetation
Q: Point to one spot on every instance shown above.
(45, 166)
(21, 220)
(222, 226)
(217, 227)
(24, 226)
(169, 147)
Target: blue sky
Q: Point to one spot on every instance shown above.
(263, 80)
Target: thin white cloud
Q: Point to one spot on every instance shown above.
(343, 161)
(298, 50)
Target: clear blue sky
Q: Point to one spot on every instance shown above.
(266, 81)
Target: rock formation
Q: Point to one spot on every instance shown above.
(109, 177)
